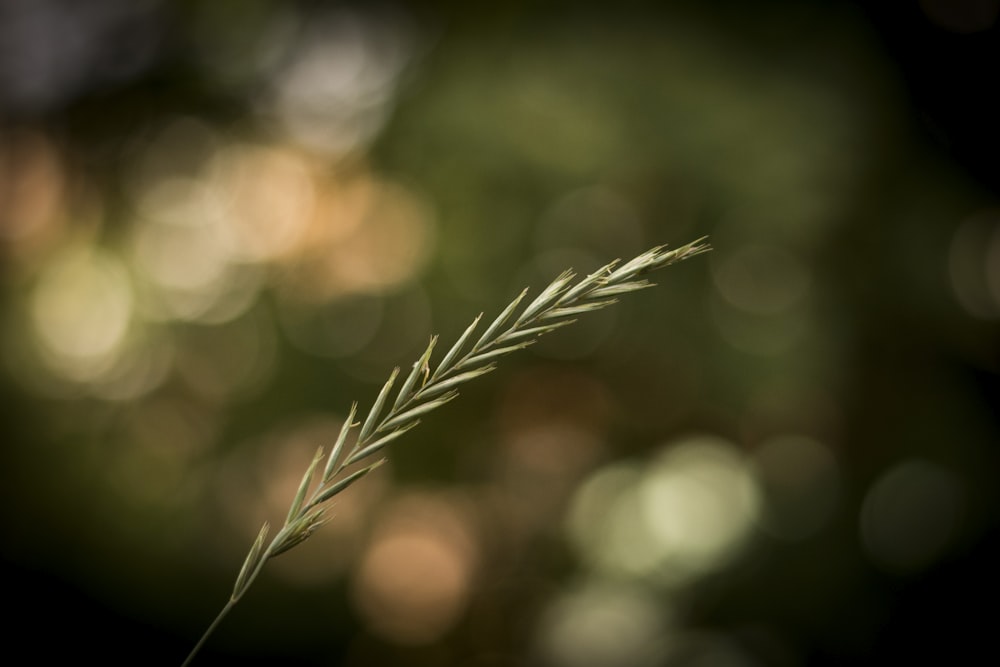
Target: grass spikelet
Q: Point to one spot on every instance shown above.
(556, 306)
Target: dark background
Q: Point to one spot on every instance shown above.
(221, 222)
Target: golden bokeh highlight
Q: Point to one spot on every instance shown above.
(32, 193)
(269, 195)
(81, 309)
(368, 236)
(416, 576)
(190, 273)
(686, 513)
(604, 624)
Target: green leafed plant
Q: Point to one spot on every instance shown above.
(426, 389)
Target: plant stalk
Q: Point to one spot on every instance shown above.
(556, 306)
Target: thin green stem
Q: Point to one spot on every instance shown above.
(233, 599)
(209, 631)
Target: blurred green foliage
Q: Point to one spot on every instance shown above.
(220, 223)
